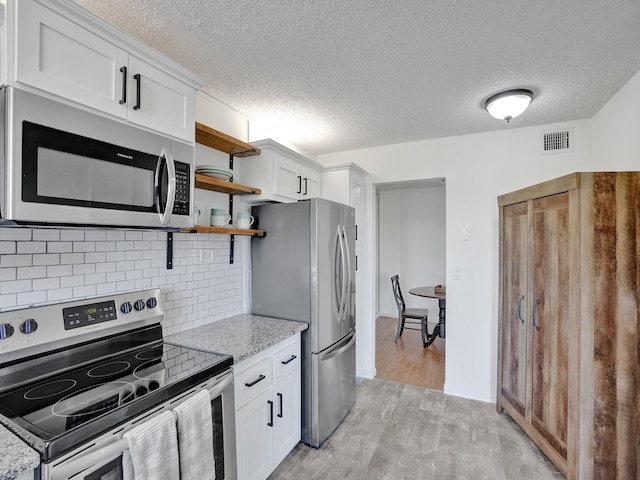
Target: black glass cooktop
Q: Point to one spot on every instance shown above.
(68, 407)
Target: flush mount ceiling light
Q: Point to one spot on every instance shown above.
(508, 104)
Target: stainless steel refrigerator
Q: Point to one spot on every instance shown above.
(304, 270)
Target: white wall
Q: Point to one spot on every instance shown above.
(478, 168)
(411, 225)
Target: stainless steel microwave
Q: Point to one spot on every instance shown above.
(63, 166)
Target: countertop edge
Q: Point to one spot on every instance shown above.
(17, 457)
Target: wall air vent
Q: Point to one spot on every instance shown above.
(559, 141)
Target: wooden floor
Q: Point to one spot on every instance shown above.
(407, 361)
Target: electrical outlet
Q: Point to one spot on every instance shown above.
(206, 256)
(457, 273)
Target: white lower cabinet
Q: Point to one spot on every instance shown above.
(268, 408)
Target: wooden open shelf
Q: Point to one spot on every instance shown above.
(210, 137)
(225, 230)
(217, 185)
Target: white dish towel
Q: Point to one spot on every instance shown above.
(195, 438)
(153, 450)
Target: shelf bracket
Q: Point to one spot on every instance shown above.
(232, 239)
(169, 250)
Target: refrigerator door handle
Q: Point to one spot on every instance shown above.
(343, 286)
(347, 283)
(336, 279)
(338, 351)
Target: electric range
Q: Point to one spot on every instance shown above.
(73, 371)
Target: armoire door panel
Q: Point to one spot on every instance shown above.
(514, 307)
(549, 318)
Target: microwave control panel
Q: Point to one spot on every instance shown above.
(183, 189)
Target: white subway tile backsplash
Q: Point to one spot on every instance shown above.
(77, 264)
(72, 281)
(31, 272)
(84, 246)
(46, 234)
(7, 248)
(32, 298)
(60, 295)
(31, 247)
(46, 259)
(59, 271)
(15, 286)
(72, 235)
(85, 291)
(95, 235)
(52, 283)
(84, 269)
(95, 257)
(59, 247)
(15, 260)
(71, 258)
(18, 234)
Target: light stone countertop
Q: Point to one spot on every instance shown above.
(241, 336)
(17, 457)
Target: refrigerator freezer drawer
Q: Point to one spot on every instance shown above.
(333, 390)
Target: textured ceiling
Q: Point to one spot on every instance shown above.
(345, 74)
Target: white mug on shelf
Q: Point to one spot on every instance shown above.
(196, 215)
(244, 220)
(219, 218)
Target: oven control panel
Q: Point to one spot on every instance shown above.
(35, 330)
(75, 317)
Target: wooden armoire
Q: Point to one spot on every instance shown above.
(569, 344)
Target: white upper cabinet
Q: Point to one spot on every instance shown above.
(345, 183)
(282, 174)
(63, 50)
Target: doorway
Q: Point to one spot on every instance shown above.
(411, 243)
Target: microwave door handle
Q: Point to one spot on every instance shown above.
(171, 191)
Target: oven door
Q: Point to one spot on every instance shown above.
(102, 458)
(69, 166)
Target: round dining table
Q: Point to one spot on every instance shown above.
(430, 292)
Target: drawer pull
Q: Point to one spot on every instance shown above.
(289, 360)
(259, 379)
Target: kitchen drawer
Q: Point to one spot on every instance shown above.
(287, 359)
(253, 379)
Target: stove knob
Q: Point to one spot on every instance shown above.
(6, 330)
(154, 385)
(125, 307)
(29, 326)
(141, 390)
(152, 302)
(139, 305)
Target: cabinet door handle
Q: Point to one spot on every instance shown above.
(520, 309)
(259, 379)
(305, 187)
(280, 397)
(270, 422)
(123, 100)
(299, 184)
(289, 360)
(137, 79)
(533, 315)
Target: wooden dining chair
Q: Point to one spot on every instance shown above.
(413, 316)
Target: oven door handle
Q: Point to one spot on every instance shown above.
(94, 459)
